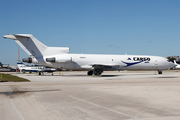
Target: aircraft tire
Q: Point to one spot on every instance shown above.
(39, 73)
(159, 72)
(23, 70)
(98, 71)
(90, 72)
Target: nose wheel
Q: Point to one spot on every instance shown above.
(159, 71)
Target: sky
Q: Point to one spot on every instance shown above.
(133, 27)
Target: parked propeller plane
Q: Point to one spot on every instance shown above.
(38, 69)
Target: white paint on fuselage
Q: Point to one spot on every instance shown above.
(84, 61)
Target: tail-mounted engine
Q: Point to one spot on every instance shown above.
(31, 60)
(60, 58)
(27, 60)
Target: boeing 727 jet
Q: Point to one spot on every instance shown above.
(59, 57)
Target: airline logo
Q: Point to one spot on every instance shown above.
(138, 59)
(141, 59)
(130, 64)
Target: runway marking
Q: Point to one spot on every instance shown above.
(102, 107)
(17, 111)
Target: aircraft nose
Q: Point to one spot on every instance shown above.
(174, 65)
(171, 64)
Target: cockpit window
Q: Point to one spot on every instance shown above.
(169, 61)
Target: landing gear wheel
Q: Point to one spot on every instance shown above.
(90, 72)
(159, 72)
(98, 71)
(23, 70)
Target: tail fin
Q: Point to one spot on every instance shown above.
(29, 43)
(34, 47)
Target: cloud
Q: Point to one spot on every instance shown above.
(113, 45)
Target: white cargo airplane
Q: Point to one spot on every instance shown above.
(177, 65)
(58, 57)
(38, 69)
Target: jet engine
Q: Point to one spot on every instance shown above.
(28, 60)
(60, 58)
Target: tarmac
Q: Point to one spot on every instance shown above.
(127, 95)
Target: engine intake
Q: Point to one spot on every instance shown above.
(28, 60)
(60, 58)
(51, 59)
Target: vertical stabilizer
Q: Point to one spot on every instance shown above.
(34, 47)
(29, 44)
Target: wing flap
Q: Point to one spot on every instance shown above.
(100, 66)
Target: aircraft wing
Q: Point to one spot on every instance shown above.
(100, 66)
(49, 70)
(104, 65)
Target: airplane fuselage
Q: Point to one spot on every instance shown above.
(110, 62)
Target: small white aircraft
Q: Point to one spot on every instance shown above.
(40, 69)
(177, 65)
(58, 57)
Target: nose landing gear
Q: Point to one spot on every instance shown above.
(95, 72)
(159, 71)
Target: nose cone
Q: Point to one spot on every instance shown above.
(171, 64)
(166, 64)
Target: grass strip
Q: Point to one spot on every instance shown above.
(11, 78)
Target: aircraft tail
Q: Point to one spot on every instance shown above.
(33, 47)
(28, 43)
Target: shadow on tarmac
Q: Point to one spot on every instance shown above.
(24, 91)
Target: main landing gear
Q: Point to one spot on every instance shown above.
(159, 71)
(40, 73)
(90, 72)
(100, 71)
(95, 72)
